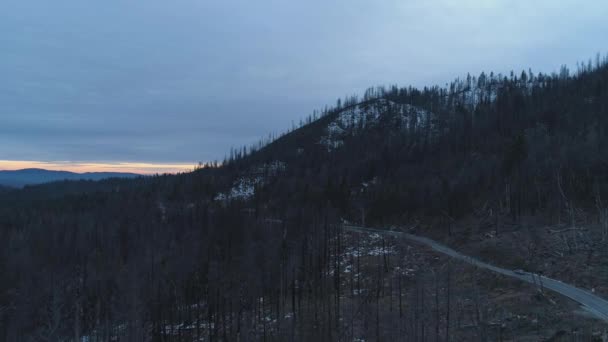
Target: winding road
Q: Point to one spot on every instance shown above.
(589, 301)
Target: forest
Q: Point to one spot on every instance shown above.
(252, 247)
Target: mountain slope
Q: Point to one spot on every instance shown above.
(20, 178)
(482, 139)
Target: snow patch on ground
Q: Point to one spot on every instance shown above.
(272, 169)
(372, 246)
(355, 119)
(244, 187)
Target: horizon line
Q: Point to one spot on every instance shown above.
(143, 168)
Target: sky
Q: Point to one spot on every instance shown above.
(158, 86)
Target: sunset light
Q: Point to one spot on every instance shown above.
(81, 167)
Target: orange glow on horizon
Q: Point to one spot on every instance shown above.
(82, 167)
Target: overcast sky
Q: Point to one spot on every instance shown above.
(181, 81)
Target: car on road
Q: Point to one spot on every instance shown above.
(520, 271)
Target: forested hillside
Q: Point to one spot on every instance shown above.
(252, 247)
(517, 141)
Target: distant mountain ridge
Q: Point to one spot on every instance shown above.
(21, 178)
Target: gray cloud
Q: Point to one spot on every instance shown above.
(184, 80)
